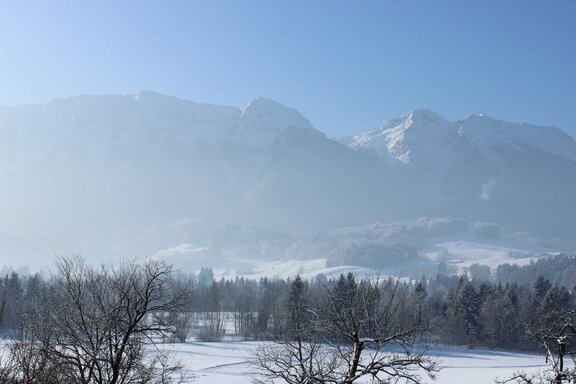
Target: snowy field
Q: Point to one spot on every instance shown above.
(226, 363)
(458, 254)
(462, 254)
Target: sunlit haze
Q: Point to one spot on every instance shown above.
(233, 133)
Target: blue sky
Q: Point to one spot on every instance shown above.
(346, 65)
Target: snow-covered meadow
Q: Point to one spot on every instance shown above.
(227, 363)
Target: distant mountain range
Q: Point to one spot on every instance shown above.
(97, 170)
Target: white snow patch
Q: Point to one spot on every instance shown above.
(462, 254)
(188, 256)
(307, 269)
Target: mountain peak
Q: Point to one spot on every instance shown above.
(426, 134)
(259, 107)
(422, 122)
(425, 115)
(266, 118)
(263, 103)
(488, 132)
(402, 139)
(151, 95)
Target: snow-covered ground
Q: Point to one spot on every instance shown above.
(462, 254)
(459, 252)
(187, 256)
(308, 269)
(226, 363)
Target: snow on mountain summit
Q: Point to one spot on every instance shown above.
(264, 119)
(147, 118)
(487, 132)
(423, 136)
(405, 139)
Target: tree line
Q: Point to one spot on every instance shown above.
(88, 324)
(463, 310)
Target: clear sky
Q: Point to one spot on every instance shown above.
(346, 65)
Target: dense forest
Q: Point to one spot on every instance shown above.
(481, 309)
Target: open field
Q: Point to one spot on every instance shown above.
(226, 363)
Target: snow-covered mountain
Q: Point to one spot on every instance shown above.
(92, 168)
(414, 138)
(108, 127)
(93, 172)
(424, 137)
(519, 175)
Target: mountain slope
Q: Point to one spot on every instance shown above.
(519, 175)
(96, 170)
(95, 166)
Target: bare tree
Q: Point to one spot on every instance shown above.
(29, 360)
(361, 319)
(344, 339)
(101, 326)
(556, 333)
(7, 370)
(298, 357)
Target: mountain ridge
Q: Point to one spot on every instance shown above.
(91, 167)
(480, 130)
